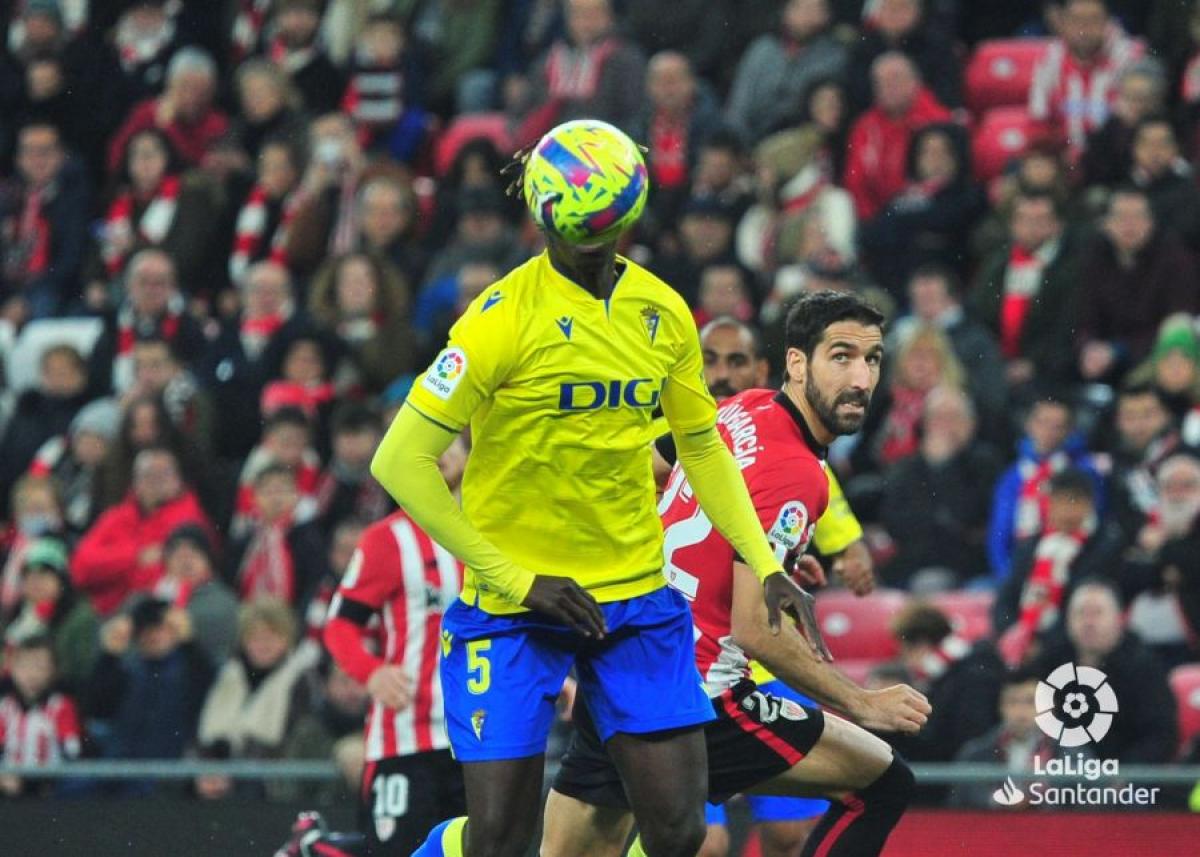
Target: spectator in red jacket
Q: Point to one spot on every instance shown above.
(878, 148)
(123, 552)
(184, 112)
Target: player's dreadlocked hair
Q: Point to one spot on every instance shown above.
(812, 314)
(515, 172)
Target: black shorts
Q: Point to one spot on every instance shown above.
(403, 797)
(756, 737)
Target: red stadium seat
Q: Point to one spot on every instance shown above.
(1185, 683)
(858, 628)
(970, 612)
(1003, 134)
(1000, 72)
(464, 129)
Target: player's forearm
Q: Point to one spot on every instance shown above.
(717, 482)
(344, 640)
(406, 465)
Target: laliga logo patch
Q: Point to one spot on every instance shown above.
(445, 373)
(1075, 705)
(790, 526)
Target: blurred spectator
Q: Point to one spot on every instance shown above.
(936, 503)
(248, 350)
(50, 91)
(282, 554)
(185, 112)
(294, 47)
(153, 307)
(158, 372)
(346, 488)
(879, 139)
(931, 219)
(258, 696)
(962, 683)
(935, 298)
(157, 205)
(1020, 504)
(777, 70)
(528, 29)
(724, 291)
(477, 166)
(247, 28)
(1167, 179)
(148, 685)
(1075, 81)
(721, 171)
(43, 224)
(1140, 92)
(384, 94)
(389, 226)
(800, 213)
(144, 40)
(1153, 581)
(706, 230)
(366, 303)
(1174, 368)
(286, 440)
(43, 412)
(462, 36)
(50, 610)
(593, 72)
(482, 233)
(902, 25)
(1146, 730)
(342, 543)
(268, 109)
(1136, 275)
(325, 219)
(73, 459)
(1073, 545)
(442, 301)
(924, 361)
(698, 29)
(679, 115)
(1025, 292)
(190, 581)
(123, 552)
(265, 218)
(1145, 436)
(305, 381)
(39, 725)
(36, 513)
(1015, 742)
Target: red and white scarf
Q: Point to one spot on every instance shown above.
(1022, 282)
(1033, 500)
(257, 332)
(289, 59)
(248, 27)
(136, 48)
(574, 74)
(308, 474)
(127, 332)
(944, 655)
(901, 435)
(249, 232)
(10, 577)
(157, 218)
(267, 569)
(27, 237)
(1042, 595)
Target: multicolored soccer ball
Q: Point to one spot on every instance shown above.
(586, 182)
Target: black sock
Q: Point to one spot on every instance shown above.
(859, 825)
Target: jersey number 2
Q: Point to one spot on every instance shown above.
(479, 667)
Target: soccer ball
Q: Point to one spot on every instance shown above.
(586, 182)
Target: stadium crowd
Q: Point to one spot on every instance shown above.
(232, 233)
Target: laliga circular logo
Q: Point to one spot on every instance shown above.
(449, 366)
(1075, 705)
(791, 520)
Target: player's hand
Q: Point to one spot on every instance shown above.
(391, 687)
(783, 595)
(898, 708)
(807, 571)
(855, 568)
(565, 600)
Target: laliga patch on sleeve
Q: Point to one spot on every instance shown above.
(790, 524)
(445, 373)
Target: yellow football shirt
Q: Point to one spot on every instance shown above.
(559, 389)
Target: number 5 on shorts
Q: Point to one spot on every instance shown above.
(479, 667)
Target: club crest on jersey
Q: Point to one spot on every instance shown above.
(791, 528)
(650, 320)
(447, 642)
(385, 826)
(477, 717)
(447, 371)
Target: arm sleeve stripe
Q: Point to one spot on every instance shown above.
(437, 423)
(352, 611)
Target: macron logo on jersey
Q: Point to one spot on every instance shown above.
(446, 372)
(492, 299)
(791, 527)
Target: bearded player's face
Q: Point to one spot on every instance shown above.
(842, 373)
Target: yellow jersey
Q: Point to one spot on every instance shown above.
(559, 388)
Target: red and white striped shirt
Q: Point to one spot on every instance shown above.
(400, 573)
(40, 734)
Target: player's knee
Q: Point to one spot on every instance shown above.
(894, 788)
(783, 838)
(680, 836)
(716, 842)
(497, 835)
